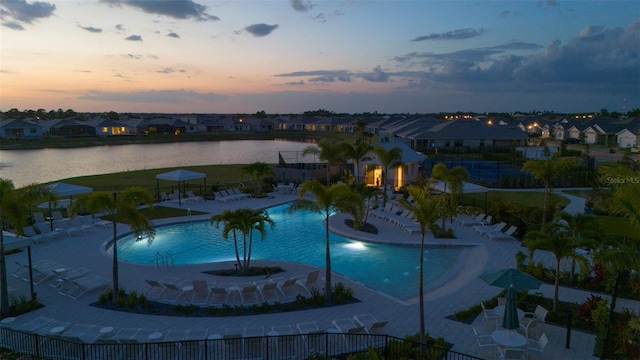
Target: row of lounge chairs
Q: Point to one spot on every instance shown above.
(70, 282)
(188, 197)
(54, 229)
(228, 195)
(397, 215)
(202, 293)
(346, 335)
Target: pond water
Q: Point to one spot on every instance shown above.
(24, 167)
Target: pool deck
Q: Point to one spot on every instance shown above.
(461, 290)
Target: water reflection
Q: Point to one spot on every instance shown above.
(44, 165)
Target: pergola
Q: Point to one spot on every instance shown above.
(179, 176)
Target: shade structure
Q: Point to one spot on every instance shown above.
(64, 189)
(511, 278)
(180, 176)
(510, 318)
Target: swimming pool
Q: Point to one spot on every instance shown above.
(299, 237)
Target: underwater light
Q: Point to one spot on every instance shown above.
(356, 245)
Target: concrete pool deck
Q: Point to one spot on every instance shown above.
(461, 290)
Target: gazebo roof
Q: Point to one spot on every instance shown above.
(181, 175)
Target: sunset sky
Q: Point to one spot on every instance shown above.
(345, 56)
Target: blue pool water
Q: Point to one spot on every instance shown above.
(299, 237)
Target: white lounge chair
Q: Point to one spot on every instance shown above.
(192, 197)
(200, 294)
(219, 296)
(253, 342)
(155, 291)
(370, 323)
(250, 295)
(483, 229)
(313, 338)
(290, 289)
(499, 235)
(352, 334)
(271, 293)
(86, 284)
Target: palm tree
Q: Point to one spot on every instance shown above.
(328, 200)
(14, 208)
(557, 241)
(326, 151)
(357, 153)
(367, 193)
(228, 218)
(576, 225)
(547, 171)
(244, 220)
(259, 171)
(426, 210)
(454, 179)
(119, 208)
(390, 159)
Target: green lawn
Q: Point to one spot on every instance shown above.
(216, 174)
(520, 198)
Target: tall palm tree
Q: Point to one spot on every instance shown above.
(14, 208)
(390, 159)
(557, 241)
(326, 151)
(357, 153)
(547, 171)
(259, 171)
(576, 225)
(119, 208)
(426, 210)
(328, 199)
(453, 179)
(228, 218)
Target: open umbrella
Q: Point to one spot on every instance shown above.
(510, 318)
(507, 278)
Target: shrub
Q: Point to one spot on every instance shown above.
(341, 293)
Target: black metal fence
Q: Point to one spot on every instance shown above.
(324, 345)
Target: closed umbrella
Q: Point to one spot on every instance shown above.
(510, 318)
(507, 278)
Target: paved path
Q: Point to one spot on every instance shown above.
(461, 289)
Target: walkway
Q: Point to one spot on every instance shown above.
(461, 290)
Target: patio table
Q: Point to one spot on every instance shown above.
(508, 338)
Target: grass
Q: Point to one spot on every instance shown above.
(216, 174)
(619, 226)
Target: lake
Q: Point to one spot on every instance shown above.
(24, 167)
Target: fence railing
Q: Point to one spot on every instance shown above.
(325, 345)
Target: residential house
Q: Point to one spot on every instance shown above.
(114, 128)
(166, 125)
(21, 129)
(72, 127)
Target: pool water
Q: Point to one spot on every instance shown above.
(298, 237)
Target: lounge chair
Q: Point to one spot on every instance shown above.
(351, 333)
(219, 296)
(31, 234)
(23, 269)
(370, 323)
(164, 196)
(465, 220)
(220, 197)
(200, 294)
(155, 291)
(38, 217)
(290, 289)
(42, 272)
(192, 197)
(35, 324)
(250, 295)
(173, 293)
(271, 293)
(313, 338)
(499, 235)
(483, 229)
(70, 274)
(192, 347)
(286, 343)
(86, 284)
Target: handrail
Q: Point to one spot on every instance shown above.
(158, 255)
(168, 256)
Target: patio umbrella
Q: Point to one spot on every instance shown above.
(510, 318)
(507, 278)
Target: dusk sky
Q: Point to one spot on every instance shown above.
(345, 56)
